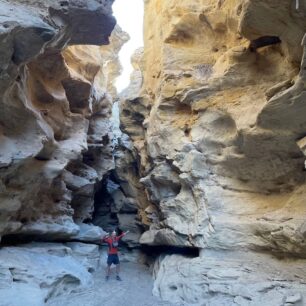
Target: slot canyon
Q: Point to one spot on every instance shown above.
(201, 158)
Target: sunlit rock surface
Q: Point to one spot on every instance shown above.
(216, 115)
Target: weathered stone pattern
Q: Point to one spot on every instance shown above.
(58, 61)
(56, 96)
(218, 125)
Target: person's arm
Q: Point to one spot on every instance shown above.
(122, 235)
(104, 238)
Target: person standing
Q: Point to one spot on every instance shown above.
(113, 258)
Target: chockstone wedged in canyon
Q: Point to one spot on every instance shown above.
(208, 173)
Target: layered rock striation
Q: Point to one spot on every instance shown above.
(216, 116)
(56, 100)
(211, 162)
(57, 66)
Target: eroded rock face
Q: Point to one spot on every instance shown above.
(58, 63)
(55, 112)
(218, 130)
(231, 278)
(32, 274)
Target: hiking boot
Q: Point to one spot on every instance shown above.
(118, 278)
(107, 277)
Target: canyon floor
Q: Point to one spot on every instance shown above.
(135, 289)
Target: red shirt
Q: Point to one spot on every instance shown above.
(110, 240)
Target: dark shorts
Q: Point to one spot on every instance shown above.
(113, 259)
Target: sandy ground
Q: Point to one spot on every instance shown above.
(135, 289)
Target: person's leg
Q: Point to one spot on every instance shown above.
(117, 263)
(118, 269)
(108, 268)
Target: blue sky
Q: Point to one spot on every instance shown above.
(129, 15)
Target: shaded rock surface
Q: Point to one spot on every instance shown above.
(43, 271)
(231, 278)
(71, 274)
(134, 290)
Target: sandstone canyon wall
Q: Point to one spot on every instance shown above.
(55, 110)
(216, 115)
(211, 164)
(57, 66)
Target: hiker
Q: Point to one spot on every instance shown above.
(113, 258)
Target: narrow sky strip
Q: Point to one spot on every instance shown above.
(129, 15)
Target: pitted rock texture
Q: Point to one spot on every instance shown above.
(231, 278)
(32, 274)
(218, 128)
(56, 96)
